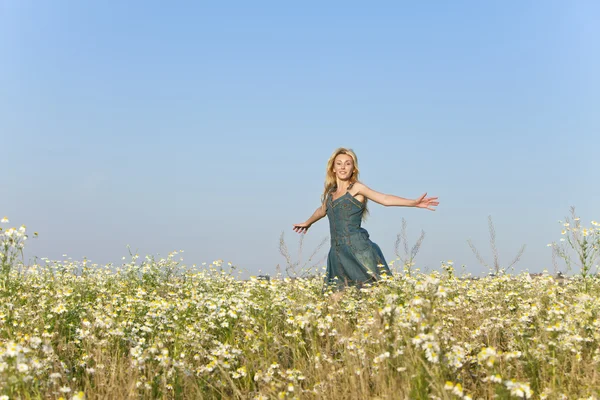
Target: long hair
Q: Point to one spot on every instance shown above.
(330, 181)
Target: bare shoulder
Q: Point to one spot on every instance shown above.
(358, 188)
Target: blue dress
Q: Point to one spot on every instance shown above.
(353, 258)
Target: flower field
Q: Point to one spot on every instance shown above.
(157, 329)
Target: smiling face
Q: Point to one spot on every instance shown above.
(343, 167)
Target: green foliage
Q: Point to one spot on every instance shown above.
(583, 241)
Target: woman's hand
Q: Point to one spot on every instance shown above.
(301, 228)
(426, 202)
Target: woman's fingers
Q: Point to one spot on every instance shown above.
(300, 228)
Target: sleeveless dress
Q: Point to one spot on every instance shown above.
(353, 259)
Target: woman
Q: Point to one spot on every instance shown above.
(353, 258)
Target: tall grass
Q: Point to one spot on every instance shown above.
(153, 328)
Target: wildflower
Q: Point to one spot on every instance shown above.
(487, 355)
(22, 368)
(381, 357)
(458, 389)
(493, 378)
(456, 356)
(544, 395)
(512, 354)
(78, 396)
(65, 389)
(239, 373)
(431, 355)
(4, 220)
(59, 309)
(35, 342)
(11, 349)
(521, 390)
(441, 292)
(416, 301)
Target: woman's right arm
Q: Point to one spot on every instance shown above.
(317, 215)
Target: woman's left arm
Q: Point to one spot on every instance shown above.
(390, 200)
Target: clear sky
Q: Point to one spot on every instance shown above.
(207, 127)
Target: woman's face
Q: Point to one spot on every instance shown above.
(343, 165)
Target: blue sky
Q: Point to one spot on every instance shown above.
(206, 127)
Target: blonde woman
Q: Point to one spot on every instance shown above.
(353, 258)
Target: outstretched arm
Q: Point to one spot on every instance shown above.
(391, 200)
(317, 215)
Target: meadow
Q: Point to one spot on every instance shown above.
(155, 328)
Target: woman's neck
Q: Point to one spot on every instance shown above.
(342, 186)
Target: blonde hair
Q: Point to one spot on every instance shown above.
(330, 181)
